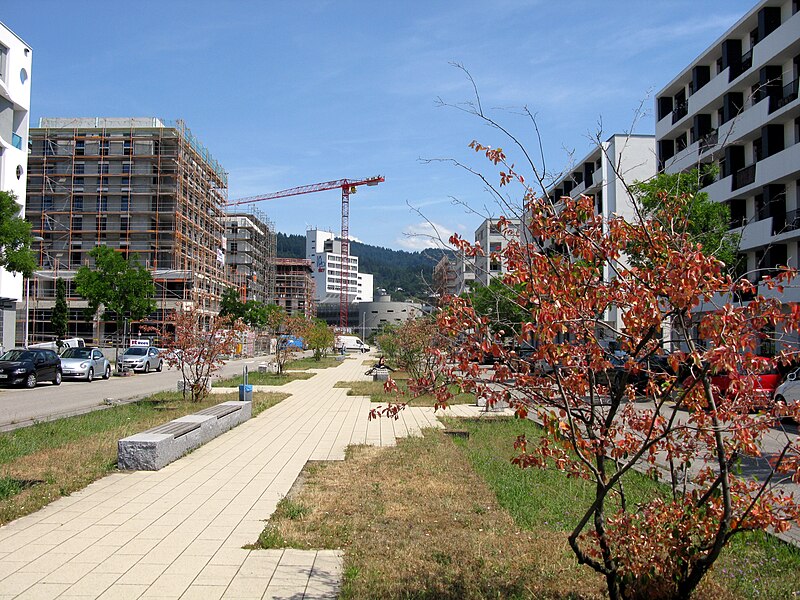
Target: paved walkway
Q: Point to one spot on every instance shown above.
(179, 532)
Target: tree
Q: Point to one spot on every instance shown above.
(497, 302)
(706, 222)
(681, 429)
(319, 337)
(197, 352)
(230, 304)
(122, 287)
(16, 255)
(60, 312)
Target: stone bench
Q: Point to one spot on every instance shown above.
(157, 447)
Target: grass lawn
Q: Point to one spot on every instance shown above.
(256, 378)
(438, 518)
(45, 461)
(376, 393)
(301, 364)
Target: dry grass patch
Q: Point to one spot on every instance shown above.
(416, 521)
(60, 457)
(256, 378)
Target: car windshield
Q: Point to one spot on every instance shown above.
(77, 353)
(17, 355)
(136, 351)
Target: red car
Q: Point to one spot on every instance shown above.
(767, 380)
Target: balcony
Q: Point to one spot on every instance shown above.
(792, 220)
(709, 141)
(743, 177)
(789, 95)
(679, 112)
(16, 141)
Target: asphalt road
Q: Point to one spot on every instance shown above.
(21, 407)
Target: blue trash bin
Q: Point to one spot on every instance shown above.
(245, 393)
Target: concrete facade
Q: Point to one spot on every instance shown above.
(493, 241)
(735, 107)
(15, 101)
(250, 251)
(372, 316)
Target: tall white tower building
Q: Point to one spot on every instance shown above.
(325, 253)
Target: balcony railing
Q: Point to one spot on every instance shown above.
(16, 141)
(709, 140)
(792, 220)
(679, 112)
(789, 94)
(744, 177)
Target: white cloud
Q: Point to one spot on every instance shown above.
(424, 234)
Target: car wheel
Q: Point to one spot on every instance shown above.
(57, 380)
(107, 374)
(90, 375)
(147, 367)
(779, 398)
(30, 381)
(160, 366)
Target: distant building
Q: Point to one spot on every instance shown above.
(444, 277)
(139, 186)
(736, 107)
(294, 286)
(250, 251)
(493, 241)
(603, 174)
(325, 253)
(464, 271)
(373, 316)
(15, 101)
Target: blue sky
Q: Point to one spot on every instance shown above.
(293, 93)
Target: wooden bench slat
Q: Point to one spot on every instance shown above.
(219, 411)
(177, 429)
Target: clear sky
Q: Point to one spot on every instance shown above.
(293, 93)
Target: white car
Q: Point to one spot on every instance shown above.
(142, 358)
(789, 390)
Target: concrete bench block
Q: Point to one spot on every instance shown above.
(155, 448)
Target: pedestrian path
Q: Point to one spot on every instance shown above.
(179, 533)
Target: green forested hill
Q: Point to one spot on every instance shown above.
(403, 274)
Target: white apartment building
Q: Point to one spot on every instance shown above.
(492, 240)
(735, 106)
(15, 101)
(464, 270)
(603, 175)
(325, 253)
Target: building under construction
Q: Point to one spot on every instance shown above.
(137, 185)
(251, 249)
(294, 286)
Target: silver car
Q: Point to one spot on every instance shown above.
(85, 363)
(142, 358)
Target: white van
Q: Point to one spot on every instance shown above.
(350, 343)
(65, 343)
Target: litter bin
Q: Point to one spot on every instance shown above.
(246, 393)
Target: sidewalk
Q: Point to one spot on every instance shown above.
(179, 532)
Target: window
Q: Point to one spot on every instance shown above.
(77, 222)
(3, 61)
(124, 223)
(79, 168)
(77, 203)
(102, 223)
(495, 246)
(124, 204)
(103, 168)
(80, 147)
(126, 167)
(102, 203)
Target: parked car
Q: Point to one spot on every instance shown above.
(85, 363)
(142, 358)
(766, 375)
(789, 390)
(23, 366)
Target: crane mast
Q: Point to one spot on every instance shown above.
(348, 186)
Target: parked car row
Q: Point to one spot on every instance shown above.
(29, 366)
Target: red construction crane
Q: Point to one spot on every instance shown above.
(348, 186)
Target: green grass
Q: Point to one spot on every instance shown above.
(754, 565)
(263, 379)
(326, 362)
(376, 392)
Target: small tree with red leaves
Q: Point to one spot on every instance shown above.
(686, 412)
(198, 348)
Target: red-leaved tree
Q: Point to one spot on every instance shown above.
(686, 411)
(198, 348)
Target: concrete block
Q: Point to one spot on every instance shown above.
(155, 448)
